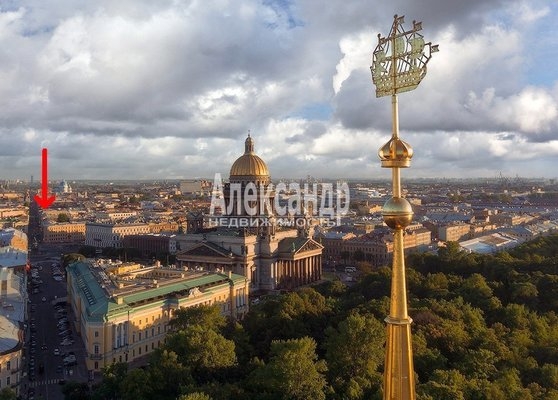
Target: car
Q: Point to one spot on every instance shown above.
(56, 351)
(70, 358)
(44, 346)
(43, 299)
(61, 381)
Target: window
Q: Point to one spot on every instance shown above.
(8, 381)
(8, 365)
(96, 333)
(139, 335)
(96, 365)
(96, 349)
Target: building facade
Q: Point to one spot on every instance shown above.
(71, 232)
(122, 311)
(103, 235)
(12, 316)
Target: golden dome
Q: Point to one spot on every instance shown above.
(249, 164)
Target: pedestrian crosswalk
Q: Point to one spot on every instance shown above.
(43, 382)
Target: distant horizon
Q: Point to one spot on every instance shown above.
(386, 179)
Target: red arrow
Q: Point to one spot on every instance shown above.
(44, 201)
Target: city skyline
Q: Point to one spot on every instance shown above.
(135, 90)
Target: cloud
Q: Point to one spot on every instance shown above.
(169, 89)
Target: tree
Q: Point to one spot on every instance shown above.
(353, 353)
(62, 217)
(136, 386)
(205, 351)
(167, 375)
(76, 390)
(7, 394)
(195, 396)
(292, 373)
(71, 258)
(113, 375)
(209, 317)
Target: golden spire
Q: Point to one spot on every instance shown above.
(399, 64)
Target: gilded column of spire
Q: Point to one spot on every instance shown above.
(399, 64)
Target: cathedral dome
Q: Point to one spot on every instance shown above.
(249, 166)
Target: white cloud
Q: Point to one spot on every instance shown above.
(169, 89)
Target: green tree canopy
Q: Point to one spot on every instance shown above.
(354, 351)
(195, 396)
(292, 373)
(7, 394)
(208, 316)
(62, 217)
(203, 350)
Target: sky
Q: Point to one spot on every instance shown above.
(169, 89)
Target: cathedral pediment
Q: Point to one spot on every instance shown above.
(298, 246)
(206, 249)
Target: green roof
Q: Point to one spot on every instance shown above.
(98, 306)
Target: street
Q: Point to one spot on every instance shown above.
(46, 372)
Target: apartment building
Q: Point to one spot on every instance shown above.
(122, 311)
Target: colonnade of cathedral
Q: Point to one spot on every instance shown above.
(293, 273)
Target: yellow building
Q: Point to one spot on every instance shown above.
(14, 238)
(12, 316)
(64, 232)
(454, 232)
(122, 312)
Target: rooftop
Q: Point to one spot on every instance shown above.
(10, 257)
(114, 288)
(11, 310)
